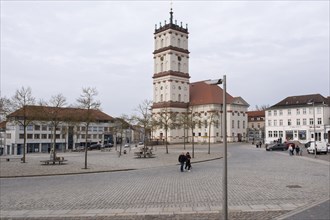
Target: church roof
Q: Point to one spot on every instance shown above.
(202, 93)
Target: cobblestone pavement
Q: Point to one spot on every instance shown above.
(100, 161)
(261, 185)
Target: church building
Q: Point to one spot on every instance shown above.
(185, 111)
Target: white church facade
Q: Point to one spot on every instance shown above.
(185, 111)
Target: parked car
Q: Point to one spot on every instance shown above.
(108, 145)
(126, 145)
(321, 147)
(272, 147)
(80, 148)
(140, 143)
(94, 147)
(308, 144)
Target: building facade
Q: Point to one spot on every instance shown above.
(70, 130)
(174, 95)
(299, 118)
(256, 125)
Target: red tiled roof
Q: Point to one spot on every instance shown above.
(202, 93)
(256, 114)
(45, 112)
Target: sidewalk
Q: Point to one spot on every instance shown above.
(98, 161)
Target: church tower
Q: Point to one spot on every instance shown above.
(171, 71)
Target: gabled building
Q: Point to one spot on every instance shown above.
(299, 118)
(173, 94)
(256, 125)
(70, 131)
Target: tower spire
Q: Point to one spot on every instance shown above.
(171, 15)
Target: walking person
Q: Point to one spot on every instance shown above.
(188, 164)
(182, 159)
(290, 150)
(297, 150)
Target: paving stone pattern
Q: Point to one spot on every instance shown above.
(258, 188)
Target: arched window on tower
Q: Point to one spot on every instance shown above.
(179, 66)
(162, 43)
(179, 97)
(161, 97)
(179, 42)
(161, 67)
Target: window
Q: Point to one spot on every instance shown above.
(29, 136)
(280, 133)
(232, 124)
(43, 136)
(275, 112)
(302, 135)
(304, 121)
(50, 136)
(275, 122)
(289, 111)
(269, 113)
(289, 121)
(199, 134)
(37, 127)
(243, 124)
(21, 136)
(281, 122)
(179, 43)
(199, 124)
(275, 133)
(179, 98)
(205, 123)
(36, 136)
(318, 110)
(258, 125)
(205, 134)
(217, 123)
(298, 121)
(161, 97)
(44, 127)
(319, 121)
(179, 66)
(304, 111)
(298, 111)
(269, 123)
(57, 136)
(238, 125)
(270, 134)
(280, 112)
(252, 125)
(311, 121)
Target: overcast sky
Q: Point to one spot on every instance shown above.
(268, 49)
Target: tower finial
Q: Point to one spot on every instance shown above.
(171, 15)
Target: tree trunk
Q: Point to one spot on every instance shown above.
(86, 148)
(24, 143)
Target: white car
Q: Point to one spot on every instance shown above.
(321, 147)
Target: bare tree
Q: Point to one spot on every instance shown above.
(144, 120)
(184, 120)
(191, 124)
(22, 98)
(87, 101)
(167, 120)
(211, 121)
(56, 103)
(121, 125)
(6, 107)
(261, 107)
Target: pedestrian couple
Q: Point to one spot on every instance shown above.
(184, 159)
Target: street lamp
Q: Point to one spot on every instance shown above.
(224, 134)
(313, 103)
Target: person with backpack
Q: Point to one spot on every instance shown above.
(188, 164)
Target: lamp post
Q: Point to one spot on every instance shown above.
(224, 134)
(313, 103)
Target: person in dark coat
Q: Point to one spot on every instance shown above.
(188, 164)
(182, 159)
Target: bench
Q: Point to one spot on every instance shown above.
(59, 160)
(140, 153)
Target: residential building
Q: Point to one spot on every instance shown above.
(70, 129)
(173, 94)
(256, 125)
(296, 117)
